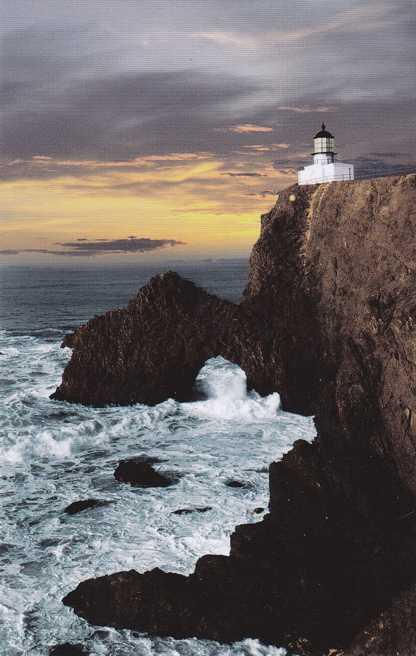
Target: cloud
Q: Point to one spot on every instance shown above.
(40, 167)
(64, 112)
(266, 148)
(244, 174)
(69, 98)
(372, 166)
(233, 39)
(307, 109)
(154, 109)
(262, 194)
(248, 128)
(389, 155)
(173, 157)
(84, 247)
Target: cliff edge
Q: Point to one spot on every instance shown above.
(328, 319)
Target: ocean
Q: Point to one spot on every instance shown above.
(53, 453)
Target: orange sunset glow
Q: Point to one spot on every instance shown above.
(177, 123)
(192, 197)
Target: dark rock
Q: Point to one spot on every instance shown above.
(68, 649)
(392, 633)
(137, 471)
(329, 321)
(258, 511)
(188, 511)
(154, 349)
(151, 460)
(234, 483)
(78, 506)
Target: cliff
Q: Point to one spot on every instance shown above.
(328, 320)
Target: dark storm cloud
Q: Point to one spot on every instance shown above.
(370, 167)
(144, 80)
(113, 116)
(389, 155)
(83, 247)
(249, 174)
(129, 245)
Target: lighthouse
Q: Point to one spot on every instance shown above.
(324, 167)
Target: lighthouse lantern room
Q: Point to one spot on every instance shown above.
(324, 167)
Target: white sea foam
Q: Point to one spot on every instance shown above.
(53, 453)
(225, 386)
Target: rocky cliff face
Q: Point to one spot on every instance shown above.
(328, 320)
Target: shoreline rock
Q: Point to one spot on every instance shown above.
(328, 320)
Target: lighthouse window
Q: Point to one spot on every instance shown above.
(323, 145)
(320, 145)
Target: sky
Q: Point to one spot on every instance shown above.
(161, 130)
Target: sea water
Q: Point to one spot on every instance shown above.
(53, 453)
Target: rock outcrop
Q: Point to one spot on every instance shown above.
(154, 349)
(328, 320)
(85, 504)
(140, 472)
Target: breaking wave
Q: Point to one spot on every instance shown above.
(225, 386)
(53, 453)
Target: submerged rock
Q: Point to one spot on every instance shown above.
(138, 471)
(85, 504)
(329, 321)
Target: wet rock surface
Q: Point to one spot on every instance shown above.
(140, 472)
(237, 484)
(329, 321)
(188, 511)
(85, 504)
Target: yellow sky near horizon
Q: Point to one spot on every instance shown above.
(212, 206)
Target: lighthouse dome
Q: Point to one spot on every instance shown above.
(324, 145)
(323, 133)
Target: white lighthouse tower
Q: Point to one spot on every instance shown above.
(324, 167)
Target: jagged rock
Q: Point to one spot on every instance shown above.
(329, 321)
(153, 349)
(188, 511)
(84, 504)
(138, 471)
(235, 483)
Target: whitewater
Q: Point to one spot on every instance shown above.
(53, 453)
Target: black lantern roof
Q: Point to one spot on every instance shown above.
(323, 133)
